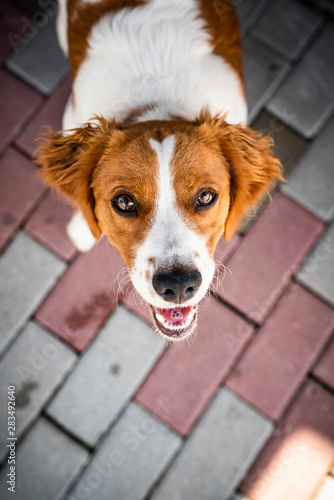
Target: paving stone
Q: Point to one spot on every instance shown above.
(326, 491)
(84, 296)
(50, 114)
(10, 28)
(287, 144)
(17, 104)
(20, 189)
(36, 364)
(130, 460)
(188, 374)
(282, 353)
(324, 370)
(239, 496)
(106, 376)
(286, 27)
(27, 272)
(269, 255)
(306, 99)
(218, 453)
(264, 71)
(317, 272)
(48, 225)
(40, 62)
(47, 462)
(136, 304)
(311, 183)
(248, 12)
(300, 452)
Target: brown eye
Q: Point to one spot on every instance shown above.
(124, 204)
(205, 199)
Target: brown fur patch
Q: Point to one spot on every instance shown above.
(128, 165)
(222, 24)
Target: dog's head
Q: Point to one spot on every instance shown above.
(163, 192)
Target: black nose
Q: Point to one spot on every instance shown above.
(178, 285)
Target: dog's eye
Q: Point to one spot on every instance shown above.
(125, 205)
(205, 199)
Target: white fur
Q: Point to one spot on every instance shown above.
(160, 54)
(170, 240)
(79, 233)
(61, 25)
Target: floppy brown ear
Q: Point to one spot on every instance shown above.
(253, 170)
(68, 163)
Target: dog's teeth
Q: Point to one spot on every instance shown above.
(160, 318)
(192, 313)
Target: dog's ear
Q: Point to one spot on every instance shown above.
(253, 168)
(253, 171)
(68, 163)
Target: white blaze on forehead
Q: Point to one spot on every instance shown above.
(170, 240)
(165, 216)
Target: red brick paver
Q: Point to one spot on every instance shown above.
(185, 378)
(299, 454)
(20, 189)
(48, 225)
(17, 102)
(84, 297)
(51, 114)
(283, 351)
(267, 258)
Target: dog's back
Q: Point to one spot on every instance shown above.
(152, 60)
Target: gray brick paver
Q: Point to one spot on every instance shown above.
(47, 70)
(311, 183)
(219, 452)
(106, 376)
(46, 463)
(286, 27)
(130, 460)
(306, 99)
(35, 364)
(317, 271)
(264, 71)
(27, 272)
(248, 12)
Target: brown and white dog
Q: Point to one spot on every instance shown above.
(156, 153)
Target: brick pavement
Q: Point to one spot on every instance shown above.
(105, 409)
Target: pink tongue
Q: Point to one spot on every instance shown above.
(175, 316)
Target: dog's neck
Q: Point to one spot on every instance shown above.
(152, 111)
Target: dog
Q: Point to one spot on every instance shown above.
(156, 152)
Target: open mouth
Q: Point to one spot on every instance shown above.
(175, 323)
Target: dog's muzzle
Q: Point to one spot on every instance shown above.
(176, 286)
